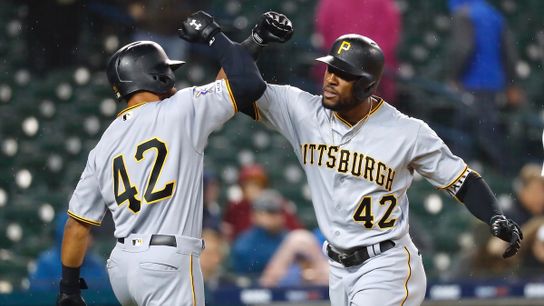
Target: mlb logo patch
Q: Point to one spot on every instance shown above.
(137, 242)
(127, 116)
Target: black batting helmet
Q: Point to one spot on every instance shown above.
(358, 56)
(141, 66)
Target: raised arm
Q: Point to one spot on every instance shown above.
(272, 27)
(244, 78)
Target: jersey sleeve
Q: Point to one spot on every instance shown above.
(283, 107)
(433, 160)
(87, 204)
(212, 105)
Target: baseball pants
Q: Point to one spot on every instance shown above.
(152, 275)
(393, 278)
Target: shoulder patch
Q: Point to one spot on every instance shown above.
(214, 87)
(127, 116)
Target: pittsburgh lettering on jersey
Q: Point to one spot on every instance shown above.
(348, 162)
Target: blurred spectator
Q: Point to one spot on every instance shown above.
(53, 29)
(237, 217)
(421, 236)
(47, 275)
(253, 249)
(158, 21)
(298, 261)
(212, 258)
(529, 188)
(211, 217)
(482, 60)
(377, 19)
(532, 250)
(484, 260)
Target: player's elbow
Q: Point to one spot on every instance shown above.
(246, 82)
(247, 90)
(257, 88)
(77, 229)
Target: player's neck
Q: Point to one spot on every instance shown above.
(142, 97)
(358, 112)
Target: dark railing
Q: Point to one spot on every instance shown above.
(492, 293)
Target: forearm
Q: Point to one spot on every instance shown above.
(478, 198)
(254, 50)
(253, 47)
(244, 78)
(74, 243)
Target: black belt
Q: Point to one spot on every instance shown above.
(356, 256)
(158, 240)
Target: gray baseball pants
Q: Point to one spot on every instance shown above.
(144, 274)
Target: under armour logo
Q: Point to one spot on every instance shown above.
(195, 24)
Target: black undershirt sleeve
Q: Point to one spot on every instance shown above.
(255, 50)
(252, 47)
(478, 198)
(244, 78)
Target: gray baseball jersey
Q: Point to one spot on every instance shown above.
(358, 175)
(147, 170)
(147, 167)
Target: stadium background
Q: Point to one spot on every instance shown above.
(49, 120)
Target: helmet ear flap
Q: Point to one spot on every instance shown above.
(364, 88)
(163, 79)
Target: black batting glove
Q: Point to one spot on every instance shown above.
(70, 293)
(70, 300)
(509, 231)
(272, 27)
(199, 27)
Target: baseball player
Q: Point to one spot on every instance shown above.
(147, 170)
(360, 155)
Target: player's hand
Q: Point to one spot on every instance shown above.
(74, 299)
(70, 293)
(272, 27)
(199, 27)
(509, 231)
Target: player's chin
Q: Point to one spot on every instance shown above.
(330, 103)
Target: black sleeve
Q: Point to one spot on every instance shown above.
(461, 45)
(255, 50)
(478, 198)
(245, 81)
(252, 47)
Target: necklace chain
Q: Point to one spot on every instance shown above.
(356, 128)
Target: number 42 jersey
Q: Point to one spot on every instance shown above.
(358, 175)
(147, 167)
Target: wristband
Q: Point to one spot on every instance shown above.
(70, 282)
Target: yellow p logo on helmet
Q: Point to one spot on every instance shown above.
(344, 46)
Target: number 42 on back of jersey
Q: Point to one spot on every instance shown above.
(124, 190)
